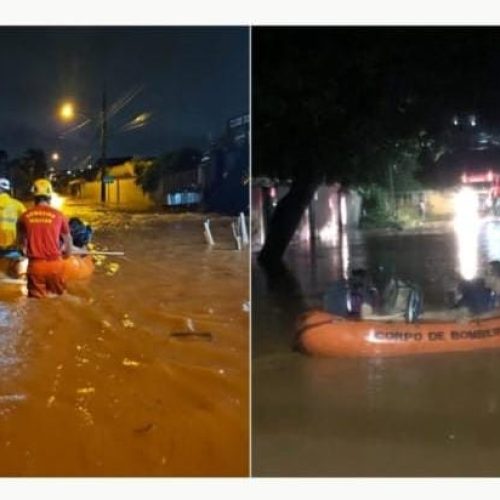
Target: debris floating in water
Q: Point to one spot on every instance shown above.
(145, 428)
(112, 268)
(12, 397)
(190, 324)
(193, 335)
(85, 390)
(99, 259)
(127, 322)
(130, 362)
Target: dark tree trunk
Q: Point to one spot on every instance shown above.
(286, 219)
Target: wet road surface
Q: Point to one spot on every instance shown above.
(431, 415)
(95, 384)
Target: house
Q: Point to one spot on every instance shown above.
(120, 183)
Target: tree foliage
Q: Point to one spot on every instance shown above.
(341, 102)
(150, 178)
(4, 157)
(348, 104)
(22, 171)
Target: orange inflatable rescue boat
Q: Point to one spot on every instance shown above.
(76, 267)
(323, 334)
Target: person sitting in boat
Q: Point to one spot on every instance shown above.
(353, 297)
(492, 279)
(475, 296)
(363, 297)
(335, 298)
(81, 234)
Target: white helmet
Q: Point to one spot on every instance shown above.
(4, 184)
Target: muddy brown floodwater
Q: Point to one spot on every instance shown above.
(431, 415)
(95, 384)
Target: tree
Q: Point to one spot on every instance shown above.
(34, 161)
(151, 178)
(4, 157)
(32, 165)
(339, 104)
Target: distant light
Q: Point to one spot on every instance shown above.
(455, 120)
(56, 200)
(343, 210)
(68, 172)
(466, 222)
(141, 118)
(55, 156)
(89, 166)
(329, 233)
(472, 120)
(67, 111)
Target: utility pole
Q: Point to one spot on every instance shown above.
(104, 130)
(391, 187)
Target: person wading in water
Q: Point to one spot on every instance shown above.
(41, 229)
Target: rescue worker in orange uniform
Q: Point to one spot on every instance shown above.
(41, 229)
(10, 211)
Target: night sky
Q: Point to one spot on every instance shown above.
(190, 79)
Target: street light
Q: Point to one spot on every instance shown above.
(67, 113)
(55, 156)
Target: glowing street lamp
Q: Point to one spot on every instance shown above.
(67, 111)
(55, 156)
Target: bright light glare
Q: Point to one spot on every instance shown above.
(55, 156)
(345, 255)
(67, 111)
(466, 224)
(304, 230)
(343, 210)
(329, 233)
(57, 201)
(466, 204)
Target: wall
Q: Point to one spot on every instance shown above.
(119, 192)
(439, 204)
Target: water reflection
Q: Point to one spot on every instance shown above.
(466, 224)
(11, 328)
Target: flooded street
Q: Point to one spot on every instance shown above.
(96, 383)
(431, 415)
